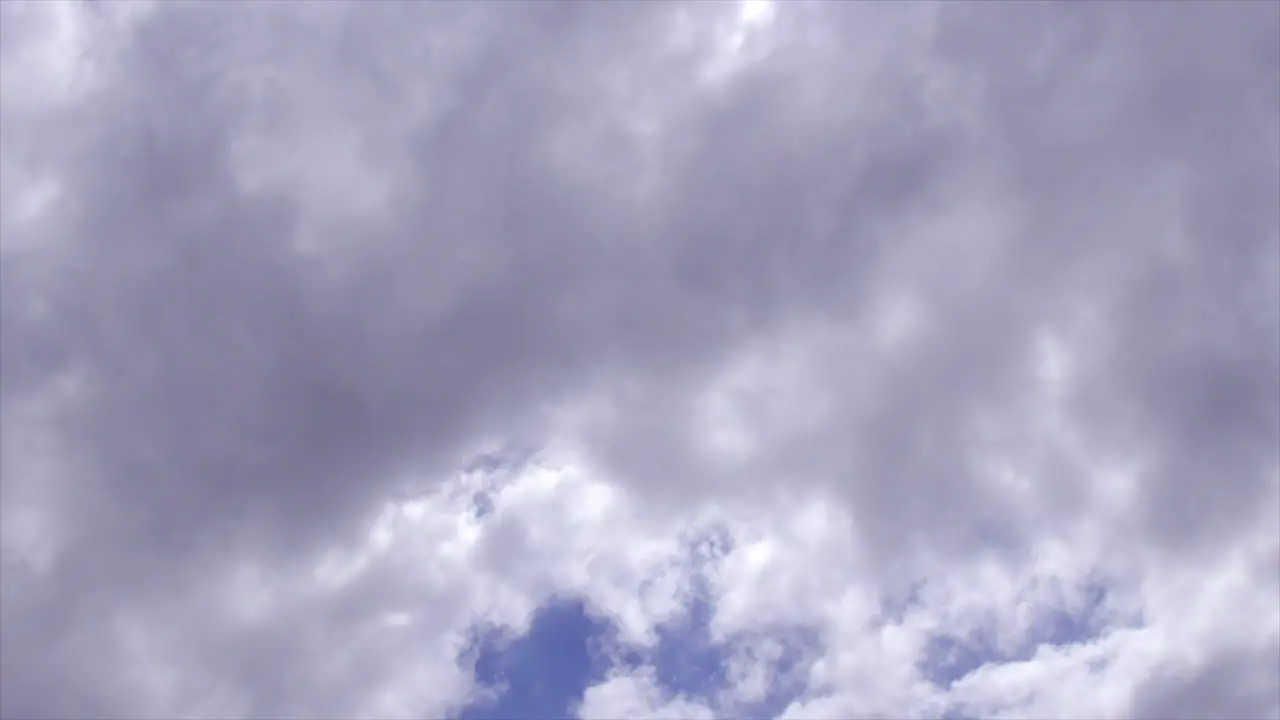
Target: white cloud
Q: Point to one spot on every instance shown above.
(638, 695)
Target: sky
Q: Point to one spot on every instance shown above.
(801, 360)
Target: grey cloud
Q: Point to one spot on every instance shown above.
(238, 398)
(242, 394)
(1238, 684)
(1186, 368)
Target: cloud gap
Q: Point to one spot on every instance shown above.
(949, 658)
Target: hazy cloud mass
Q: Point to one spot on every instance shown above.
(831, 359)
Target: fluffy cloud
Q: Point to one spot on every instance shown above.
(932, 352)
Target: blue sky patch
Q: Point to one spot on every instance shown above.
(949, 658)
(543, 673)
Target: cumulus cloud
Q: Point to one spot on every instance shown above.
(927, 355)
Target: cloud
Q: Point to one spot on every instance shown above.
(958, 326)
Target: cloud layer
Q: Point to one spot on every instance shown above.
(893, 337)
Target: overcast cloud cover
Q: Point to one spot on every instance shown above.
(896, 360)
